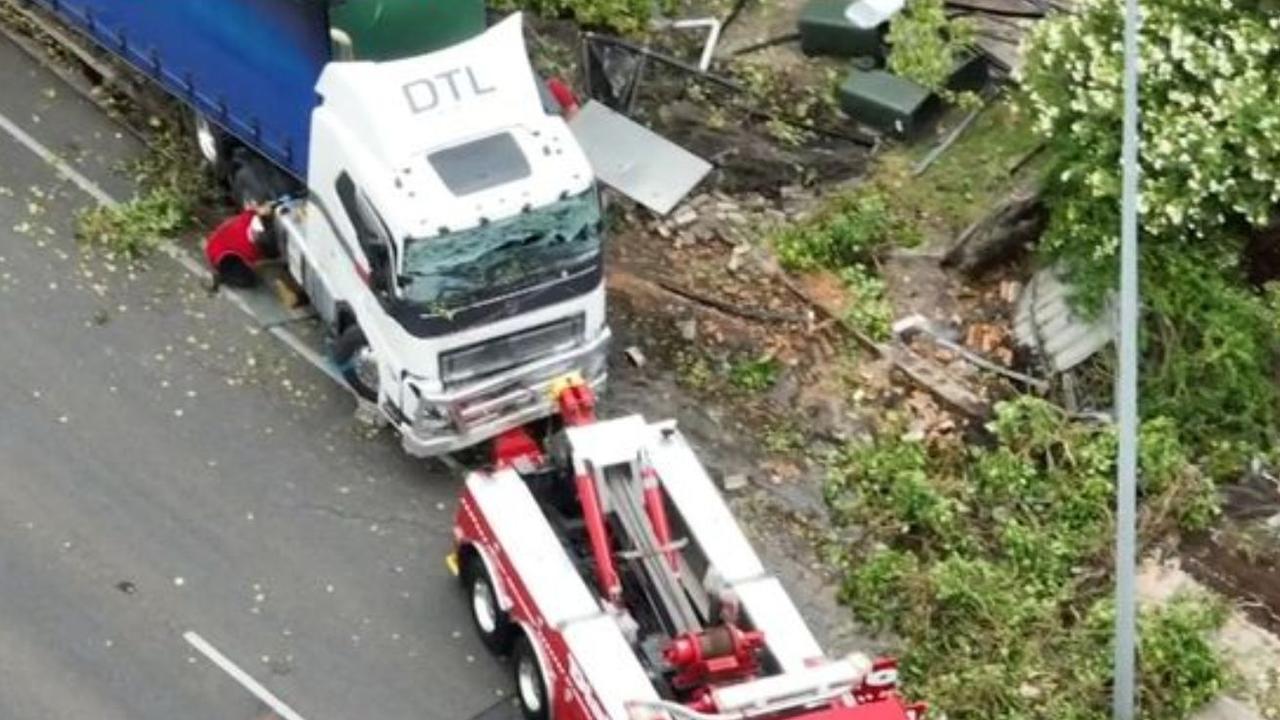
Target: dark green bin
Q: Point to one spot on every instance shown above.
(889, 103)
(884, 101)
(392, 29)
(825, 30)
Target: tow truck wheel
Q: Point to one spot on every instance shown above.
(531, 688)
(357, 362)
(493, 625)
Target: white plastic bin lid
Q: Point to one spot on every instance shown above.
(869, 14)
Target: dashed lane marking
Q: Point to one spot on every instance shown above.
(245, 680)
(60, 165)
(184, 259)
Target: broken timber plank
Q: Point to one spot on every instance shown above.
(926, 374)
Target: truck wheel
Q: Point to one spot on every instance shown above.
(531, 687)
(357, 363)
(254, 180)
(492, 624)
(250, 184)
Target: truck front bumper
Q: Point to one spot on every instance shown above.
(505, 401)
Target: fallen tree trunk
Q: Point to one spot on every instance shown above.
(1011, 227)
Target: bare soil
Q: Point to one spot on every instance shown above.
(1241, 557)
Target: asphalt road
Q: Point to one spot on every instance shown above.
(167, 467)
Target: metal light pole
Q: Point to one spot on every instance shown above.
(1123, 700)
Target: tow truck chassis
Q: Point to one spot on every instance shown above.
(607, 565)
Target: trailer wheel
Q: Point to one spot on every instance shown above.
(492, 624)
(357, 363)
(214, 143)
(251, 181)
(531, 686)
(255, 180)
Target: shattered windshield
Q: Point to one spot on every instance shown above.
(458, 269)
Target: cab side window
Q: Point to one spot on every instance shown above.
(372, 234)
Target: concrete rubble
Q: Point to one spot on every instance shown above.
(732, 220)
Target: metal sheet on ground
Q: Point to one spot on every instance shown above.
(636, 161)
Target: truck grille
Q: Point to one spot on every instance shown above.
(490, 357)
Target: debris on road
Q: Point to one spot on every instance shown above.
(635, 356)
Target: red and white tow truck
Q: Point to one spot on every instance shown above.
(609, 567)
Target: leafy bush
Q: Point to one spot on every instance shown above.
(1210, 356)
(1211, 169)
(174, 185)
(1210, 118)
(867, 307)
(925, 45)
(849, 232)
(623, 15)
(992, 565)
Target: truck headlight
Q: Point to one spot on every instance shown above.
(432, 419)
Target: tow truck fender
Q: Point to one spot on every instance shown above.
(549, 679)
(491, 568)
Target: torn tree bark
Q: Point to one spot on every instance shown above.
(1013, 225)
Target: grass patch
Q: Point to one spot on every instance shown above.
(174, 185)
(694, 370)
(784, 437)
(866, 307)
(992, 564)
(891, 208)
(851, 230)
(755, 374)
(961, 185)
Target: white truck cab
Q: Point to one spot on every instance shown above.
(451, 239)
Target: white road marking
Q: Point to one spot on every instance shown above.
(58, 163)
(167, 247)
(245, 680)
(307, 353)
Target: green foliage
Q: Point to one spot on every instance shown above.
(784, 438)
(754, 374)
(134, 229)
(866, 306)
(1211, 168)
(1175, 656)
(992, 565)
(845, 238)
(896, 208)
(925, 46)
(694, 370)
(629, 16)
(787, 99)
(1210, 356)
(1210, 120)
(173, 186)
(846, 233)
